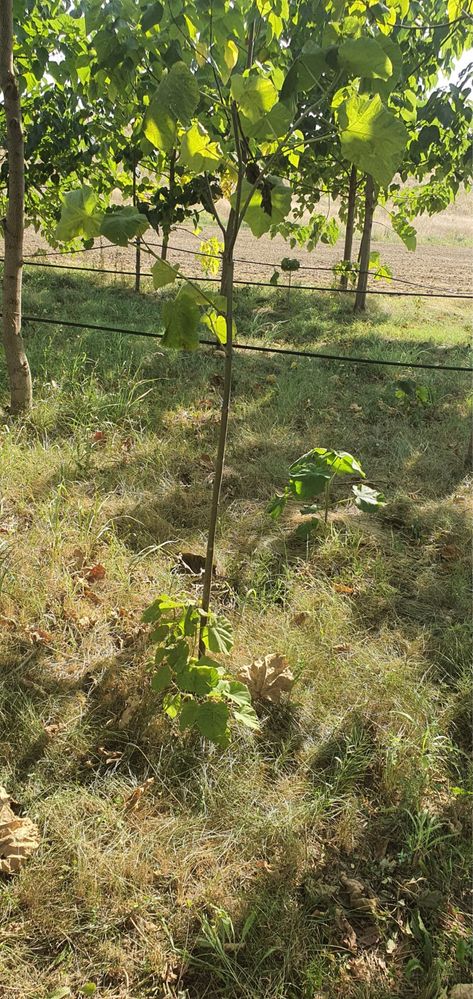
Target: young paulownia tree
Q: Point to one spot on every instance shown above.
(230, 103)
(13, 224)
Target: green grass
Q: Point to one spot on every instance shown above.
(229, 880)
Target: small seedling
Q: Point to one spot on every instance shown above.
(197, 689)
(311, 476)
(289, 265)
(410, 393)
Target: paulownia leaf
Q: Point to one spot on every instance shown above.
(305, 71)
(78, 215)
(255, 95)
(163, 273)
(217, 634)
(175, 100)
(123, 224)
(371, 137)
(368, 499)
(197, 151)
(211, 720)
(217, 324)
(268, 678)
(256, 216)
(19, 837)
(152, 15)
(271, 126)
(181, 318)
(365, 57)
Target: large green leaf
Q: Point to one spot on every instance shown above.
(271, 126)
(163, 273)
(159, 128)
(178, 93)
(371, 137)
(198, 680)
(197, 151)
(405, 231)
(79, 215)
(161, 679)
(217, 634)
(365, 57)
(120, 225)
(152, 15)
(255, 95)
(217, 324)
(305, 71)
(181, 317)
(277, 197)
(176, 99)
(340, 462)
(211, 720)
(368, 499)
(384, 87)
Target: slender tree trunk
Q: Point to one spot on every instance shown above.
(138, 240)
(17, 363)
(365, 247)
(350, 224)
(222, 443)
(172, 179)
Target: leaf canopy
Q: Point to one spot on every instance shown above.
(371, 137)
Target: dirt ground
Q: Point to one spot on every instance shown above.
(442, 261)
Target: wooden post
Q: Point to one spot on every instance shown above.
(17, 362)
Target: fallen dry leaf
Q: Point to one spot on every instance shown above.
(360, 900)
(93, 573)
(8, 622)
(127, 714)
(131, 803)
(300, 619)
(19, 838)
(39, 637)
(94, 599)
(268, 678)
(99, 437)
(349, 936)
(462, 991)
(450, 552)
(342, 648)
(341, 588)
(109, 755)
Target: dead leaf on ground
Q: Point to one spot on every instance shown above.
(342, 648)
(342, 588)
(8, 622)
(131, 707)
(349, 938)
(300, 619)
(462, 991)
(53, 728)
(268, 678)
(99, 437)
(94, 573)
(359, 898)
(90, 595)
(38, 636)
(451, 552)
(109, 756)
(19, 838)
(131, 803)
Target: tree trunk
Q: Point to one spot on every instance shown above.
(17, 363)
(138, 241)
(350, 224)
(365, 247)
(167, 228)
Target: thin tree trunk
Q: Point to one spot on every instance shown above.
(350, 225)
(365, 247)
(17, 363)
(138, 240)
(221, 447)
(167, 228)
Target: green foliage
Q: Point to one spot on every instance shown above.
(181, 319)
(290, 264)
(365, 57)
(372, 137)
(163, 273)
(211, 250)
(198, 690)
(79, 216)
(176, 99)
(411, 393)
(311, 476)
(120, 225)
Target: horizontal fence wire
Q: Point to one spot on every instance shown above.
(288, 351)
(257, 284)
(218, 256)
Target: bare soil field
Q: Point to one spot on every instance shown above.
(442, 261)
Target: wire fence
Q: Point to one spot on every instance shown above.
(257, 284)
(258, 348)
(428, 289)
